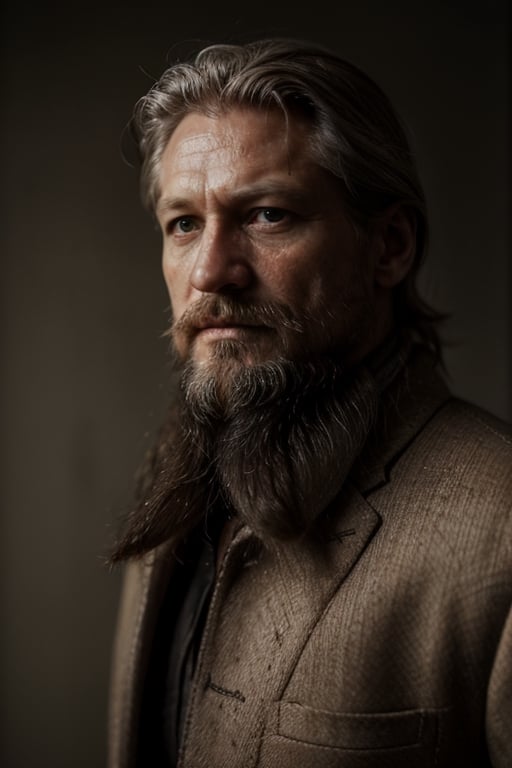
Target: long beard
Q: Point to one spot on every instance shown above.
(275, 453)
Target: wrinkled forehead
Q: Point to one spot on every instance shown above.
(240, 120)
(252, 140)
(281, 121)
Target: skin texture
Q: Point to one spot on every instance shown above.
(249, 218)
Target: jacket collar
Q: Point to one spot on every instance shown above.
(409, 402)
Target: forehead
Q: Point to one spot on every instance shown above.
(243, 142)
(237, 126)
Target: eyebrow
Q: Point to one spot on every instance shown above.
(170, 203)
(242, 195)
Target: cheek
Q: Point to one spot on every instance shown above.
(174, 285)
(311, 281)
(334, 286)
(291, 275)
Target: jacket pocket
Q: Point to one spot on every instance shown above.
(313, 738)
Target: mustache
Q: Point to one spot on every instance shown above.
(271, 315)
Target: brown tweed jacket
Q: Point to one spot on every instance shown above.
(389, 647)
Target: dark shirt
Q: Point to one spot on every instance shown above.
(174, 652)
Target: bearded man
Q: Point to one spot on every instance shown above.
(318, 566)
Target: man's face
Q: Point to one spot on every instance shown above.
(251, 224)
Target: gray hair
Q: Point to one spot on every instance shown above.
(356, 134)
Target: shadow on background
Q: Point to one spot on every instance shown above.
(85, 371)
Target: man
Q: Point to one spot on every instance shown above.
(319, 564)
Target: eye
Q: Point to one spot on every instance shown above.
(183, 225)
(269, 215)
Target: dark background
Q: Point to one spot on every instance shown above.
(84, 379)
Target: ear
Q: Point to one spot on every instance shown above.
(394, 241)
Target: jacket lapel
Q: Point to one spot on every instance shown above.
(144, 586)
(264, 608)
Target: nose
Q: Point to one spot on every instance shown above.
(222, 263)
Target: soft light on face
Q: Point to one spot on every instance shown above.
(259, 256)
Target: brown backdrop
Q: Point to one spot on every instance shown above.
(83, 305)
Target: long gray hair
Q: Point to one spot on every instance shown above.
(356, 134)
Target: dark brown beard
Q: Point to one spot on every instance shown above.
(275, 453)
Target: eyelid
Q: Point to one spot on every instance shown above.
(170, 226)
(283, 213)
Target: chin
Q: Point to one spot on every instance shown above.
(216, 378)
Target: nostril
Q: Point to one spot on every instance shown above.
(232, 288)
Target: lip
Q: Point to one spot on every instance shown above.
(221, 322)
(210, 321)
(219, 332)
(216, 328)
(227, 329)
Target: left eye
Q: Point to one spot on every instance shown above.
(269, 215)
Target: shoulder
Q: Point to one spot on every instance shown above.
(442, 472)
(440, 438)
(468, 420)
(451, 486)
(464, 446)
(428, 438)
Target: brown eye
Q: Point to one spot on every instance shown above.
(269, 215)
(272, 215)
